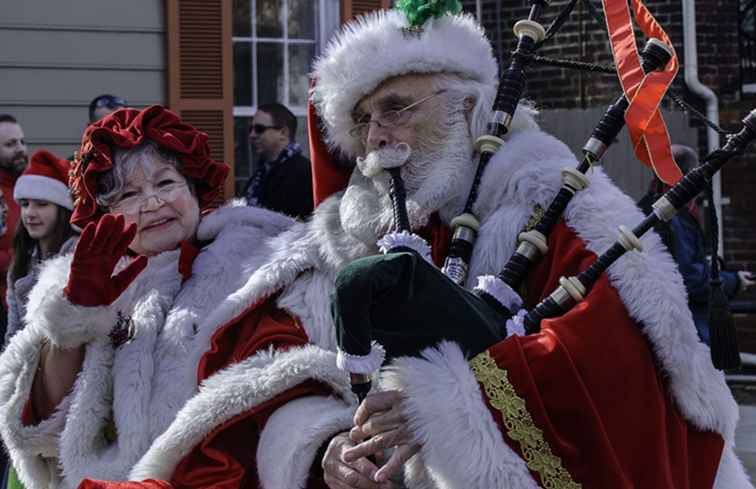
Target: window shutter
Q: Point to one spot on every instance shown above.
(352, 8)
(200, 72)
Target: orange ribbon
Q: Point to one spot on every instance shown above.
(645, 91)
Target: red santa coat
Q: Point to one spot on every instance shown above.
(590, 384)
(7, 182)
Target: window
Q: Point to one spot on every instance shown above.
(274, 45)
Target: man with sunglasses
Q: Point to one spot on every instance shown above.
(282, 181)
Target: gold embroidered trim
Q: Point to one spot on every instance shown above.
(519, 424)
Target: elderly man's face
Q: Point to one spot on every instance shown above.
(437, 171)
(394, 95)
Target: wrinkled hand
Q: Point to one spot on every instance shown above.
(746, 280)
(91, 282)
(380, 424)
(356, 474)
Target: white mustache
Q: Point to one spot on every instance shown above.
(376, 161)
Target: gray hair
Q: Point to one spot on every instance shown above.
(125, 161)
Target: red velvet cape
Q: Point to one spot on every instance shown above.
(590, 383)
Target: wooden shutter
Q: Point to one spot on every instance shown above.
(200, 72)
(353, 8)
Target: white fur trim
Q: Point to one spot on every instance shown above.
(461, 442)
(731, 474)
(373, 48)
(293, 435)
(361, 364)
(527, 172)
(406, 240)
(235, 390)
(237, 213)
(499, 290)
(27, 445)
(42, 188)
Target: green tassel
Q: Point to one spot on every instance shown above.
(419, 11)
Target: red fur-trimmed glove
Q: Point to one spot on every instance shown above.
(91, 282)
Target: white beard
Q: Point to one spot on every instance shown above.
(435, 180)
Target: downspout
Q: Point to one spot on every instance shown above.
(690, 52)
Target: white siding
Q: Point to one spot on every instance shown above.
(56, 56)
(574, 127)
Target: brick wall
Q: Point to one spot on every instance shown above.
(583, 37)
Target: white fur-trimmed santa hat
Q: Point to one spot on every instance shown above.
(45, 178)
(378, 46)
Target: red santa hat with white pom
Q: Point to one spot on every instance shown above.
(45, 178)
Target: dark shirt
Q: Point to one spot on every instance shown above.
(284, 185)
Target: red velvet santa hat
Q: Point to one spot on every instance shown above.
(45, 178)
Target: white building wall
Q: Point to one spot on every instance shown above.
(55, 56)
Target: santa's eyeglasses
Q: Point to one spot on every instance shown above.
(390, 118)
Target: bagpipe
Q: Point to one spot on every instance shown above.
(399, 303)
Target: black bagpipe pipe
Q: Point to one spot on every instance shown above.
(573, 289)
(533, 244)
(465, 226)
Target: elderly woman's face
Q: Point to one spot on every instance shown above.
(158, 200)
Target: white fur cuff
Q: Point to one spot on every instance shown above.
(461, 442)
(361, 364)
(496, 288)
(293, 435)
(406, 240)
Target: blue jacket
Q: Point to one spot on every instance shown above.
(688, 249)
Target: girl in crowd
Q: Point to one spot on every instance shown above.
(44, 230)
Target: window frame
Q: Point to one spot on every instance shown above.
(321, 36)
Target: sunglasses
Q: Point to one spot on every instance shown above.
(259, 128)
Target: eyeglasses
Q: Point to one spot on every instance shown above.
(133, 202)
(259, 128)
(390, 118)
